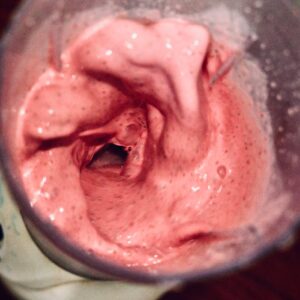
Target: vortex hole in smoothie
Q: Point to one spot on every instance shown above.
(110, 155)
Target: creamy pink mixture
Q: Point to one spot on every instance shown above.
(194, 160)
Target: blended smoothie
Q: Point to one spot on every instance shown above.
(144, 147)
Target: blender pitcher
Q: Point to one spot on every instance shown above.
(38, 262)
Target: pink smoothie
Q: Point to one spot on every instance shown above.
(190, 161)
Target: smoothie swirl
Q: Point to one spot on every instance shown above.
(143, 145)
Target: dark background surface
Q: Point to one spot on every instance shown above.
(273, 278)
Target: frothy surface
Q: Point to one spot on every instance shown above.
(190, 161)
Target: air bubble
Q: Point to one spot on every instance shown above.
(286, 53)
(280, 129)
(268, 61)
(263, 46)
(40, 130)
(248, 10)
(222, 171)
(293, 111)
(258, 4)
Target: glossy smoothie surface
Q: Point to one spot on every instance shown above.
(143, 147)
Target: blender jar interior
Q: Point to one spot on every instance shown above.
(24, 56)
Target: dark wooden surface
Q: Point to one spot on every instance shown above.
(276, 277)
